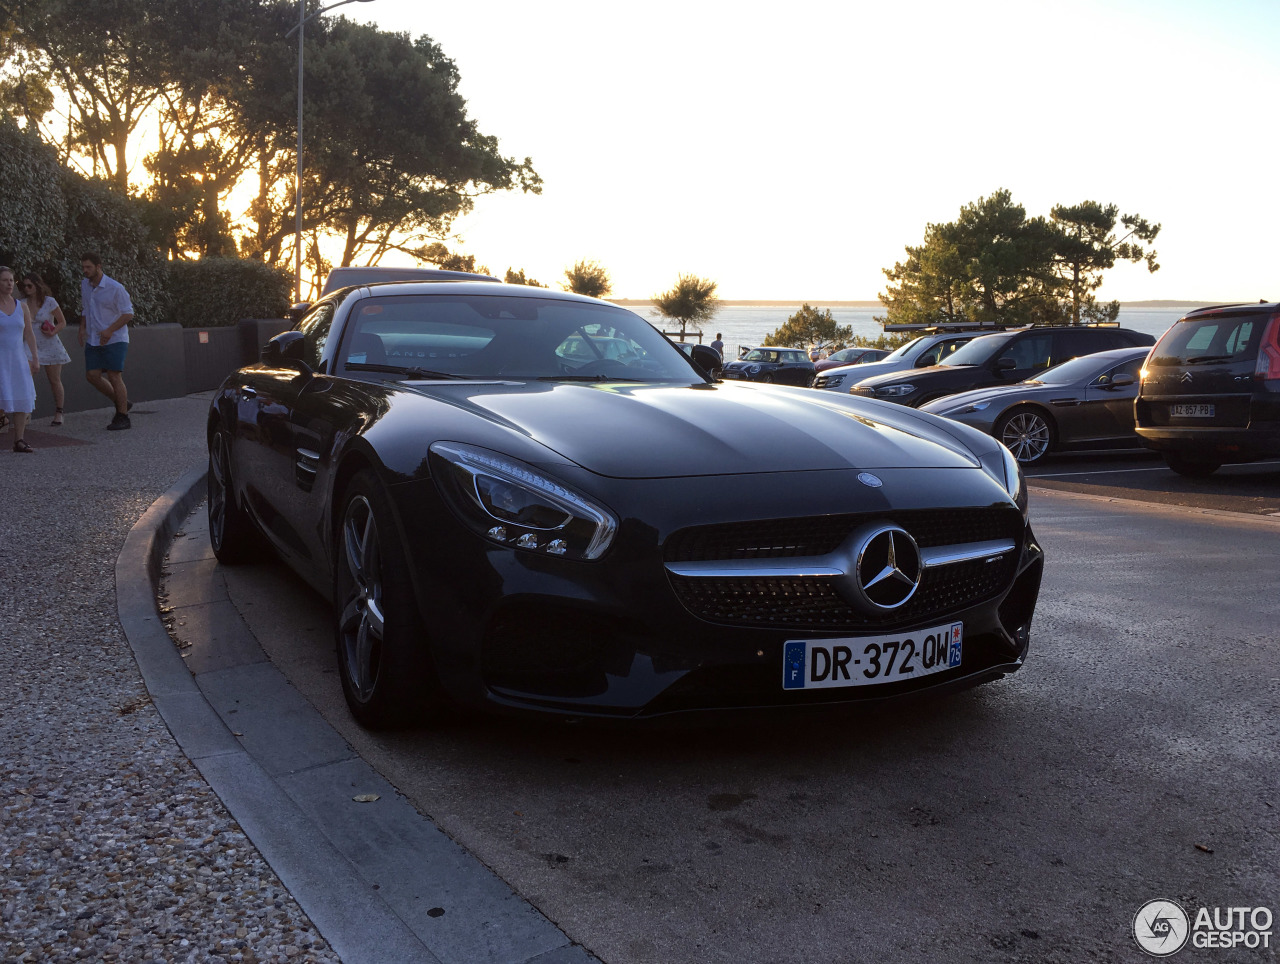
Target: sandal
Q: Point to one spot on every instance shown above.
(22, 446)
(57, 417)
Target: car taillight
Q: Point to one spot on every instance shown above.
(1268, 367)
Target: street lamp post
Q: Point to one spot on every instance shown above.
(303, 17)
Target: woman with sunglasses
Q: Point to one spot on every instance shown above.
(47, 320)
(17, 361)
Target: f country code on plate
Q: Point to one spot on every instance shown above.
(863, 660)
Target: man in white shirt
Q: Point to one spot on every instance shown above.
(104, 333)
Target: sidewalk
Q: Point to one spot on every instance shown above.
(113, 847)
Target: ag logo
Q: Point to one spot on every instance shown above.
(1161, 927)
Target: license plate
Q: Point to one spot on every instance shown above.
(1191, 411)
(866, 660)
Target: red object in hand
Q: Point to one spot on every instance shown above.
(47, 327)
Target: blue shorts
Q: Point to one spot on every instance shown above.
(105, 358)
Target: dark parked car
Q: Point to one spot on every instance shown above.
(850, 356)
(1210, 391)
(786, 366)
(999, 359)
(928, 349)
(502, 522)
(1083, 403)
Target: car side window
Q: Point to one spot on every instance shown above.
(315, 327)
(947, 347)
(1030, 353)
(1131, 368)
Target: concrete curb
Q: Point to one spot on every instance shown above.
(296, 806)
(1142, 505)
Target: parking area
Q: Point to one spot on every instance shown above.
(1133, 757)
(1252, 489)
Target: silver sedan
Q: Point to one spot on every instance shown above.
(1086, 402)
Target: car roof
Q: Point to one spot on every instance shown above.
(489, 289)
(350, 276)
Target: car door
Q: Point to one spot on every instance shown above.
(1110, 405)
(278, 460)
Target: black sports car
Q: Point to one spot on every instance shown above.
(533, 500)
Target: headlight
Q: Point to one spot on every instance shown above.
(513, 504)
(1008, 472)
(975, 407)
(833, 380)
(895, 391)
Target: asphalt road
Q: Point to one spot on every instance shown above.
(1142, 475)
(1134, 757)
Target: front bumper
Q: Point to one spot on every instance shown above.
(620, 638)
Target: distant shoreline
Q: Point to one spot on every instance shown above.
(648, 302)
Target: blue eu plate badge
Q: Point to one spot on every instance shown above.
(793, 666)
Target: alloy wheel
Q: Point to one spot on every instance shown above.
(362, 623)
(219, 476)
(1027, 436)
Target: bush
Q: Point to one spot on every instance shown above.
(33, 229)
(218, 292)
(100, 219)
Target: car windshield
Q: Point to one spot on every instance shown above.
(505, 336)
(979, 351)
(760, 354)
(902, 350)
(1215, 338)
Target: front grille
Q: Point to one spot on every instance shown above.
(818, 535)
(813, 603)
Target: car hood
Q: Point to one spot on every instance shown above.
(662, 431)
(949, 403)
(869, 369)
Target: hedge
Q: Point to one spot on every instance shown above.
(53, 214)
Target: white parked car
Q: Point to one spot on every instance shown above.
(920, 353)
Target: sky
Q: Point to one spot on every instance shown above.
(790, 151)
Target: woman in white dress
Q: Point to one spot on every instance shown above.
(18, 363)
(47, 321)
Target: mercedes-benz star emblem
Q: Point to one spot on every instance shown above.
(887, 567)
(866, 478)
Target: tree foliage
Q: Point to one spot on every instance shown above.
(391, 156)
(588, 278)
(692, 301)
(811, 328)
(994, 264)
(243, 288)
(514, 277)
(1087, 246)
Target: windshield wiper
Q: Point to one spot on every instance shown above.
(1201, 359)
(410, 372)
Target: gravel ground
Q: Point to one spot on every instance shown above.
(112, 847)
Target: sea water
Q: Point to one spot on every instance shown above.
(745, 326)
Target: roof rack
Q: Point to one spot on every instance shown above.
(946, 326)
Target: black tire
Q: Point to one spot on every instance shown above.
(387, 674)
(232, 534)
(1028, 433)
(767, 378)
(1191, 468)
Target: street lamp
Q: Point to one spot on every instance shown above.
(303, 17)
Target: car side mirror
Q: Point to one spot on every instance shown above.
(296, 312)
(1006, 364)
(1120, 381)
(925, 361)
(285, 351)
(706, 358)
